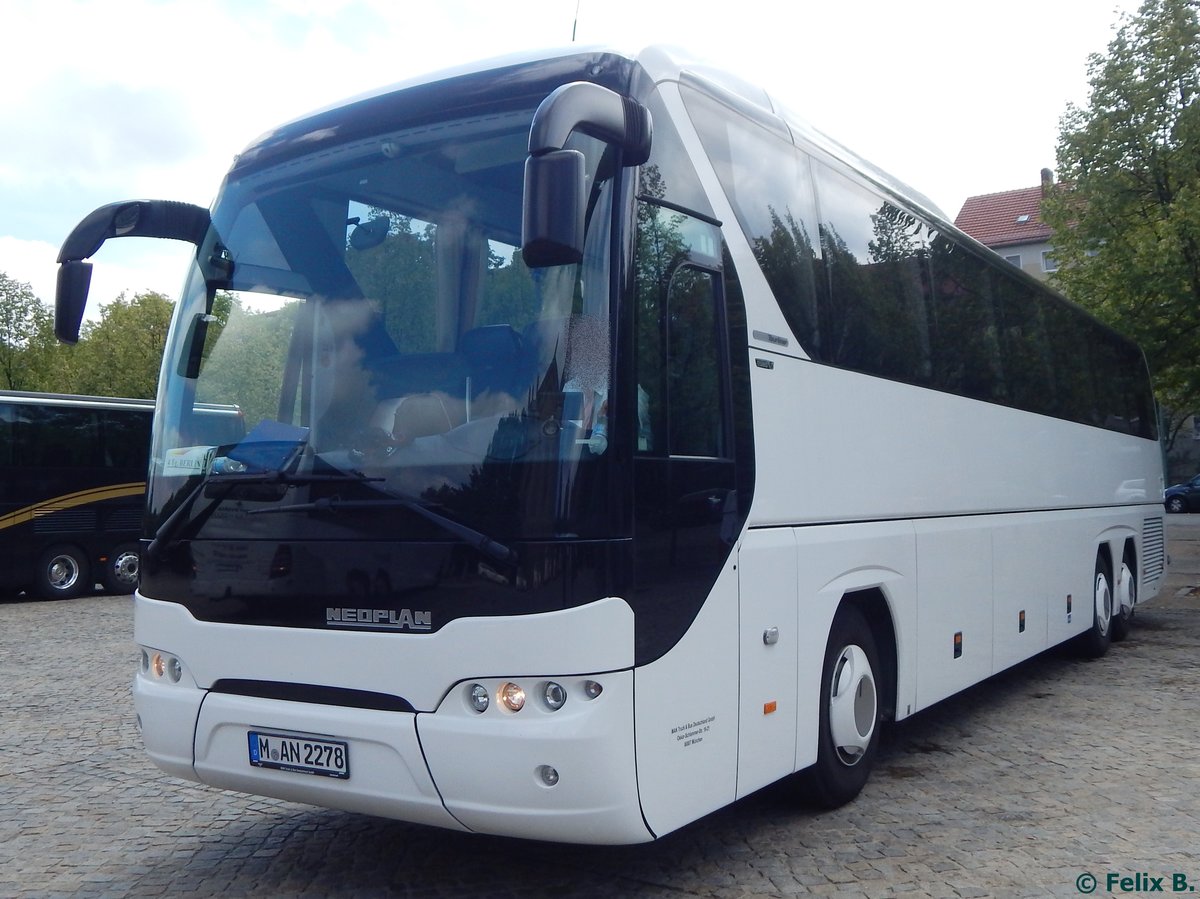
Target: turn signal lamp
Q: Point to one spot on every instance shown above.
(513, 697)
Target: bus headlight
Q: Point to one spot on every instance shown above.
(535, 695)
(478, 697)
(161, 666)
(554, 695)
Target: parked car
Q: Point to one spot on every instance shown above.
(1183, 497)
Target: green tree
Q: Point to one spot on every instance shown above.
(1127, 213)
(48, 364)
(120, 355)
(23, 319)
(244, 360)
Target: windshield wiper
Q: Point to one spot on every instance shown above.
(167, 533)
(493, 549)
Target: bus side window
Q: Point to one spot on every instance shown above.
(681, 390)
(694, 366)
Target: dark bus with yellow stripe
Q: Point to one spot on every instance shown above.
(72, 492)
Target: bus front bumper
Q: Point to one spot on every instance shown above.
(566, 775)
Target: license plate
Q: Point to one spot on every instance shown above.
(303, 755)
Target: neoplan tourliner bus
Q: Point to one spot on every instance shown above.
(617, 446)
(72, 491)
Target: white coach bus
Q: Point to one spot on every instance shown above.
(617, 446)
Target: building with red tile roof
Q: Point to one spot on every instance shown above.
(1011, 223)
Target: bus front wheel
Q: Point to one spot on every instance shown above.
(121, 570)
(62, 573)
(849, 714)
(1094, 642)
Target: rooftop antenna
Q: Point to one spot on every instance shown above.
(575, 25)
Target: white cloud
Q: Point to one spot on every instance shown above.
(128, 267)
(30, 262)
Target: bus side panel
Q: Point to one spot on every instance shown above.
(686, 714)
(1027, 574)
(954, 618)
(770, 638)
(1043, 569)
(849, 447)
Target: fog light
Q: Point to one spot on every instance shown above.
(591, 689)
(513, 697)
(548, 775)
(478, 697)
(554, 696)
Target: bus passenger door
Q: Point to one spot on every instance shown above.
(768, 623)
(686, 522)
(685, 503)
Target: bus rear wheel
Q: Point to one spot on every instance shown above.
(1125, 599)
(62, 573)
(121, 570)
(849, 714)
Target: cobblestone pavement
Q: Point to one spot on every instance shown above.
(1059, 769)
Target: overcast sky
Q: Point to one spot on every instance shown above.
(124, 99)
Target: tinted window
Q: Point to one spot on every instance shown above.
(126, 439)
(962, 326)
(892, 296)
(873, 316)
(669, 174)
(1024, 345)
(681, 391)
(51, 437)
(694, 365)
(769, 186)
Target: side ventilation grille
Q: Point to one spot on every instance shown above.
(1154, 549)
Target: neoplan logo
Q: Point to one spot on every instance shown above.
(393, 619)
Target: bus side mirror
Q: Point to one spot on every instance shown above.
(552, 228)
(555, 199)
(70, 299)
(133, 218)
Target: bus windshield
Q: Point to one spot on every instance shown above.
(401, 373)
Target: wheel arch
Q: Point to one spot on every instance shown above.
(1130, 552)
(873, 605)
(1114, 544)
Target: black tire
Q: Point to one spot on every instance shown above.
(851, 673)
(1094, 642)
(1176, 504)
(120, 576)
(62, 573)
(1122, 621)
